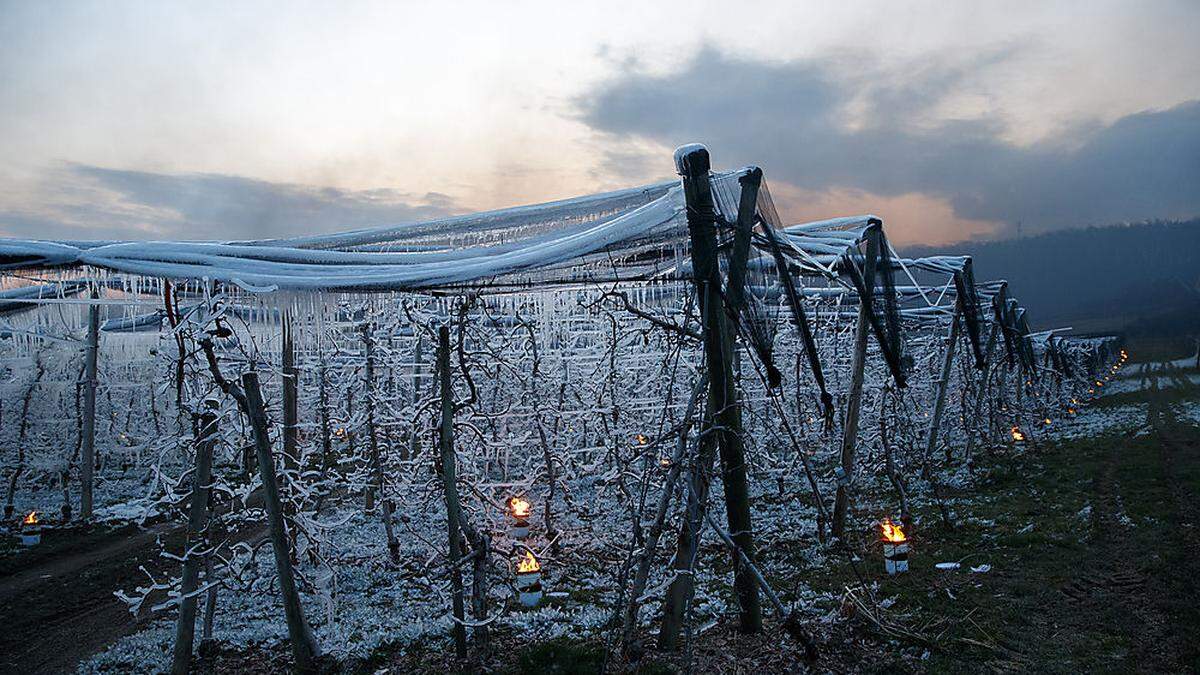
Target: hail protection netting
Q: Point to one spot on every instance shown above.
(629, 234)
(968, 305)
(870, 267)
(750, 281)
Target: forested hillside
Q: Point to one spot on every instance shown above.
(1142, 279)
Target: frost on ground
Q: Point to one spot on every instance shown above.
(377, 604)
(589, 412)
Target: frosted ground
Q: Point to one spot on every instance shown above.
(366, 602)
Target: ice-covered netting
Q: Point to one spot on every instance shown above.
(636, 233)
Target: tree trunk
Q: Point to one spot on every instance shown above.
(22, 431)
(327, 460)
(304, 646)
(185, 626)
(642, 575)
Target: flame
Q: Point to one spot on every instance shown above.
(1017, 435)
(641, 439)
(520, 507)
(528, 564)
(892, 532)
(30, 519)
(1046, 421)
(1070, 411)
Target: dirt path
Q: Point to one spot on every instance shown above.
(57, 606)
(56, 600)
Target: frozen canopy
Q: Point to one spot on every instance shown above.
(636, 233)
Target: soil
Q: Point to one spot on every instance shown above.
(56, 599)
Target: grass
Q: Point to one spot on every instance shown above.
(1092, 546)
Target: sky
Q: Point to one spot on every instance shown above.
(952, 121)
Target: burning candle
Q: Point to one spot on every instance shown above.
(529, 580)
(895, 547)
(31, 530)
(519, 509)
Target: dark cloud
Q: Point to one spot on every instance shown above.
(847, 124)
(81, 201)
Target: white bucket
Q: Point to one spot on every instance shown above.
(895, 557)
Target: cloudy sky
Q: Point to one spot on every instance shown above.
(951, 120)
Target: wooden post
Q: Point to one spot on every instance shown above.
(304, 646)
(291, 415)
(87, 462)
(981, 390)
(450, 487)
(854, 396)
(939, 405)
(185, 626)
(373, 441)
(692, 162)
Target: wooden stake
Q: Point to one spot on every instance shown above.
(450, 488)
(304, 646)
(87, 463)
(854, 396)
(939, 406)
(185, 626)
(291, 415)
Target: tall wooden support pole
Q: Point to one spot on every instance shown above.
(850, 431)
(304, 646)
(981, 391)
(450, 487)
(87, 462)
(854, 396)
(193, 558)
(692, 162)
(939, 405)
